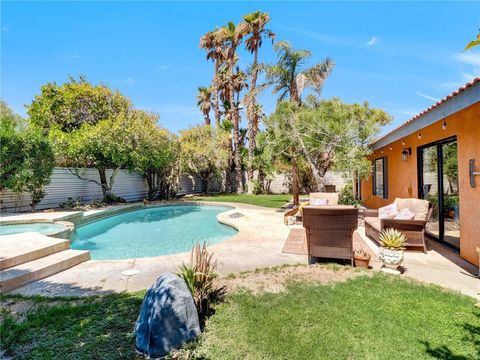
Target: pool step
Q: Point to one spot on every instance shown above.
(17, 249)
(22, 274)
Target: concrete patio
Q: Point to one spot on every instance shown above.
(258, 244)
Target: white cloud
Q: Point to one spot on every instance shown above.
(325, 38)
(372, 41)
(464, 77)
(128, 81)
(161, 68)
(469, 58)
(425, 96)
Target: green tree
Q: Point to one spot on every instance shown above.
(329, 134)
(257, 30)
(473, 43)
(290, 77)
(89, 126)
(204, 153)
(215, 48)
(11, 150)
(106, 145)
(155, 155)
(231, 36)
(27, 159)
(75, 103)
(204, 102)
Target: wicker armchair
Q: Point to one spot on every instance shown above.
(414, 229)
(329, 231)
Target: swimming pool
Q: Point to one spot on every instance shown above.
(152, 232)
(42, 228)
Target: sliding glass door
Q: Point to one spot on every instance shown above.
(438, 183)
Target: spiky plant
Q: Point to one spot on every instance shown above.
(393, 239)
(199, 275)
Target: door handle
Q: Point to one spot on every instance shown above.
(472, 172)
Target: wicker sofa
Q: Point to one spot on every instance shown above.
(413, 229)
(329, 231)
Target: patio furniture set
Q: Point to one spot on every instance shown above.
(329, 227)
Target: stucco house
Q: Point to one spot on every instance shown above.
(435, 156)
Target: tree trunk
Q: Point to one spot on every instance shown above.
(206, 117)
(216, 106)
(252, 123)
(236, 125)
(152, 190)
(103, 181)
(295, 185)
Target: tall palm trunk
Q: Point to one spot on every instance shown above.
(252, 122)
(236, 124)
(295, 176)
(295, 182)
(215, 89)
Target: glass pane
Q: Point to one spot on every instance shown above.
(451, 212)
(430, 187)
(379, 177)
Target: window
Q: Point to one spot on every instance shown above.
(380, 177)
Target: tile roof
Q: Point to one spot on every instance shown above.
(438, 103)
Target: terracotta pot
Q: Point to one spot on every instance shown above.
(361, 261)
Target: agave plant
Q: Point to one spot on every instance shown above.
(199, 276)
(393, 239)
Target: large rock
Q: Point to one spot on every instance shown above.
(168, 317)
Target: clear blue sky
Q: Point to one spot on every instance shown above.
(398, 56)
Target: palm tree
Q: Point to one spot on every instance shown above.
(215, 52)
(231, 36)
(204, 98)
(256, 22)
(290, 79)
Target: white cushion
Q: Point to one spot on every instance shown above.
(331, 197)
(388, 212)
(405, 214)
(318, 202)
(418, 206)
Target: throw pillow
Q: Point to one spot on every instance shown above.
(388, 212)
(318, 202)
(405, 214)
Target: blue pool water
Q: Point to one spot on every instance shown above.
(42, 228)
(152, 232)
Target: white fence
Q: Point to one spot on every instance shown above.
(128, 185)
(64, 185)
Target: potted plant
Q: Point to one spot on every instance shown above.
(361, 258)
(391, 251)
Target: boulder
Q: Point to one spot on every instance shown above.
(168, 317)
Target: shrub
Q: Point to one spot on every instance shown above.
(347, 197)
(27, 159)
(79, 204)
(199, 276)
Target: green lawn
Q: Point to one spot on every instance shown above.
(367, 317)
(271, 201)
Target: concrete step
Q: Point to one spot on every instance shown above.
(40, 268)
(18, 249)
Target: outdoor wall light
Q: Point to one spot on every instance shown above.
(444, 125)
(403, 142)
(406, 153)
(419, 135)
(391, 148)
